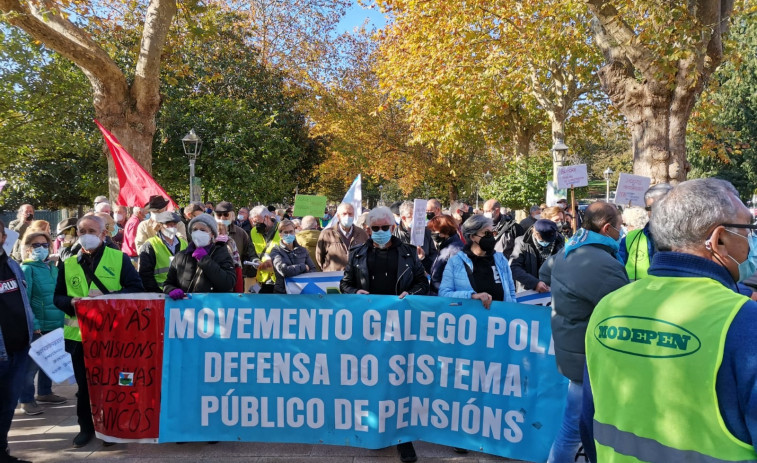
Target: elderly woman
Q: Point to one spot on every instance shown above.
(479, 272)
(635, 218)
(443, 230)
(205, 266)
(41, 276)
(289, 258)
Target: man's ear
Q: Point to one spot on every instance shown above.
(717, 243)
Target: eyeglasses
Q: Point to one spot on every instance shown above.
(648, 208)
(487, 234)
(381, 227)
(40, 245)
(752, 228)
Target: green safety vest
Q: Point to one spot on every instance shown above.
(653, 350)
(637, 248)
(262, 248)
(163, 257)
(108, 271)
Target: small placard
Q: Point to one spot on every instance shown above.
(572, 176)
(418, 230)
(309, 205)
(631, 189)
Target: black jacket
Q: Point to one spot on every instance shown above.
(411, 276)
(429, 248)
(507, 229)
(527, 259)
(289, 263)
(214, 273)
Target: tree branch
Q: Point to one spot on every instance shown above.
(59, 34)
(146, 87)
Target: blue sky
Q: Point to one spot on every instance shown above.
(357, 14)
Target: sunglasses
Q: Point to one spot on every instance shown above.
(40, 245)
(381, 227)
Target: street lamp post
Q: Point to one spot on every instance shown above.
(381, 195)
(608, 175)
(192, 146)
(559, 151)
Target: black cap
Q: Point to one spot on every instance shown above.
(224, 206)
(156, 203)
(547, 229)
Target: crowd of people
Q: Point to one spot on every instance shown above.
(698, 229)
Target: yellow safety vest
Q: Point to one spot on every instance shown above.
(261, 248)
(163, 258)
(108, 271)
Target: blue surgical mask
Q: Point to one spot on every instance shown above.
(40, 254)
(543, 244)
(114, 232)
(749, 266)
(288, 239)
(147, 216)
(381, 237)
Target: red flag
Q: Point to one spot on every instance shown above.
(136, 184)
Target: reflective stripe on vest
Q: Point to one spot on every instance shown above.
(649, 450)
(108, 271)
(261, 249)
(637, 248)
(653, 351)
(163, 257)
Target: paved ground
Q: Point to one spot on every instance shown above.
(47, 438)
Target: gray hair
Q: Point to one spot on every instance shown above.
(309, 223)
(406, 209)
(20, 215)
(657, 192)
(99, 221)
(534, 208)
(635, 217)
(343, 206)
(102, 205)
(684, 218)
(261, 211)
(474, 224)
(381, 212)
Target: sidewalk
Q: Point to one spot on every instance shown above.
(47, 438)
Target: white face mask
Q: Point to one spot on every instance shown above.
(118, 217)
(346, 221)
(89, 242)
(200, 238)
(169, 232)
(488, 215)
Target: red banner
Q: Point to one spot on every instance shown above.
(123, 352)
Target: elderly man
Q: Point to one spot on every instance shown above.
(531, 250)
(579, 278)
(308, 237)
(224, 213)
(16, 325)
(150, 227)
(24, 218)
(95, 270)
(534, 214)
(243, 219)
(102, 205)
(433, 208)
(332, 249)
(156, 254)
(506, 228)
(427, 252)
(264, 236)
(638, 247)
(672, 360)
(380, 266)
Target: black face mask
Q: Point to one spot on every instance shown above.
(429, 215)
(437, 238)
(29, 217)
(486, 243)
(260, 227)
(465, 216)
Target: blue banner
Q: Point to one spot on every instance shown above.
(361, 370)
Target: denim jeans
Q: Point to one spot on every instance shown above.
(11, 378)
(44, 383)
(568, 439)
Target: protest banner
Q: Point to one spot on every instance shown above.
(631, 189)
(314, 283)
(123, 352)
(49, 353)
(361, 370)
(572, 176)
(418, 230)
(309, 205)
(11, 236)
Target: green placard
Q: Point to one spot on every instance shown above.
(309, 205)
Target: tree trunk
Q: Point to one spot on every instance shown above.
(558, 133)
(453, 191)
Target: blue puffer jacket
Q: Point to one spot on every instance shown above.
(455, 282)
(40, 287)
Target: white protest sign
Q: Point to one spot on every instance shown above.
(572, 176)
(418, 230)
(11, 236)
(631, 189)
(50, 354)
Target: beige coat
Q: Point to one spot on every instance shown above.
(332, 251)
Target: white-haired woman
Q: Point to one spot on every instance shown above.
(479, 272)
(289, 258)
